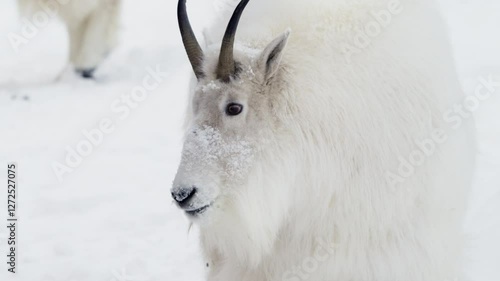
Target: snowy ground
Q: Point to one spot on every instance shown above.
(112, 217)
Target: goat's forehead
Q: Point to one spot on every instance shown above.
(216, 90)
(238, 87)
(209, 86)
(243, 81)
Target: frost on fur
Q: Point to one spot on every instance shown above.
(292, 185)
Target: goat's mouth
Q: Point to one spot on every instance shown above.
(197, 212)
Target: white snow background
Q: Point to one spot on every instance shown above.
(112, 218)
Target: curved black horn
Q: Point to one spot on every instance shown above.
(193, 49)
(226, 65)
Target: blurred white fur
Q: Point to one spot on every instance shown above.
(92, 26)
(321, 183)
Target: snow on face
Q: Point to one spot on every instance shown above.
(213, 163)
(206, 147)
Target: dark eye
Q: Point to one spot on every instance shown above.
(234, 109)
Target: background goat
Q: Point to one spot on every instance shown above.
(92, 27)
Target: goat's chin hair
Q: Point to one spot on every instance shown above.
(248, 222)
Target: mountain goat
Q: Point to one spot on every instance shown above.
(329, 150)
(92, 27)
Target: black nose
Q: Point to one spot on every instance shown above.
(182, 195)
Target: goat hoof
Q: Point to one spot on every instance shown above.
(86, 73)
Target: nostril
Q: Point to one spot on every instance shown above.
(184, 194)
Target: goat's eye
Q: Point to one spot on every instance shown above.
(234, 109)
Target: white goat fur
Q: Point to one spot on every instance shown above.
(92, 26)
(316, 202)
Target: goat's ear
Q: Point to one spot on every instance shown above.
(270, 58)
